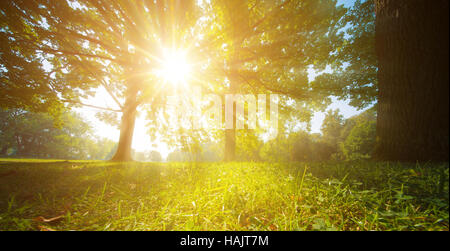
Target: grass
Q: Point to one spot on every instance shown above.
(217, 196)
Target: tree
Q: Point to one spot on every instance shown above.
(155, 156)
(359, 136)
(301, 149)
(28, 134)
(332, 126)
(86, 44)
(268, 46)
(101, 149)
(413, 102)
(248, 146)
(178, 156)
(322, 151)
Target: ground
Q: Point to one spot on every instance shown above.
(95, 195)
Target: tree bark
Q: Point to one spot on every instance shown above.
(124, 150)
(413, 80)
(230, 134)
(230, 145)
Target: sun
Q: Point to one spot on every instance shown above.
(174, 67)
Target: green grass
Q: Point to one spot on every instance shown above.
(216, 196)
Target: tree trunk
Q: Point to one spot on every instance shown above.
(230, 134)
(413, 79)
(230, 145)
(124, 151)
(239, 25)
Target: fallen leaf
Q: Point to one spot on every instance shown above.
(42, 219)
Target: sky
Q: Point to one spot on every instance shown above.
(346, 3)
(141, 139)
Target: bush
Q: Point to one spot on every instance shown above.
(360, 142)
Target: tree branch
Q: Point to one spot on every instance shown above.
(103, 83)
(274, 90)
(91, 106)
(74, 53)
(110, 93)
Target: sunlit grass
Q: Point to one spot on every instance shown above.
(235, 196)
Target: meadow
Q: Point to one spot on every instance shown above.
(96, 195)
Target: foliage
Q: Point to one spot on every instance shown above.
(277, 150)
(69, 49)
(349, 139)
(355, 65)
(248, 145)
(361, 141)
(208, 152)
(24, 83)
(88, 43)
(27, 134)
(361, 138)
(332, 126)
(155, 156)
(301, 149)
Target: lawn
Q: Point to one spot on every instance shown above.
(77, 195)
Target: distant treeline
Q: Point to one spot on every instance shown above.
(341, 139)
(26, 134)
(37, 135)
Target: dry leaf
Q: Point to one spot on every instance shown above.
(42, 219)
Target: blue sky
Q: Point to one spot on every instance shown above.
(347, 3)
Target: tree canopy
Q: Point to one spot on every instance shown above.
(57, 53)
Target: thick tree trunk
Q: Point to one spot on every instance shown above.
(124, 150)
(413, 78)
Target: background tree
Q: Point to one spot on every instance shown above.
(349, 139)
(413, 101)
(34, 135)
(101, 149)
(302, 147)
(249, 145)
(268, 46)
(359, 136)
(331, 128)
(155, 156)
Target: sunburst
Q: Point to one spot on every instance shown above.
(174, 67)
